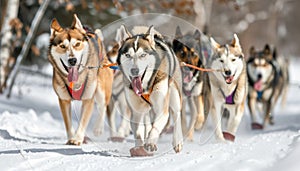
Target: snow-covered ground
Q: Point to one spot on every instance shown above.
(32, 137)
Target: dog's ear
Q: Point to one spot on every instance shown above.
(236, 42)
(274, 53)
(76, 24)
(55, 27)
(197, 35)
(267, 50)
(122, 35)
(214, 44)
(252, 51)
(150, 36)
(177, 45)
(178, 33)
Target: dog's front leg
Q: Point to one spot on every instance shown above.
(175, 106)
(65, 107)
(86, 112)
(235, 116)
(199, 100)
(99, 123)
(138, 128)
(193, 108)
(160, 107)
(217, 118)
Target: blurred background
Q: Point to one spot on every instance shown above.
(256, 22)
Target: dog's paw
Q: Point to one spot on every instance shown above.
(228, 136)
(139, 152)
(74, 142)
(150, 147)
(190, 136)
(177, 148)
(97, 131)
(257, 126)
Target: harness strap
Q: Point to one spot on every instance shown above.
(230, 99)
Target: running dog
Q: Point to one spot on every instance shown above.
(226, 88)
(153, 87)
(118, 97)
(188, 50)
(77, 54)
(267, 78)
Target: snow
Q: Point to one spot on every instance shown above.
(32, 137)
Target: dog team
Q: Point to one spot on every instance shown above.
(157, 79)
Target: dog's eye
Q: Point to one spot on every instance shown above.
(77, 44)
(62, 46)
(182, 53)
(127, 55)
(221, 60)
(143, 55)
(232, 60)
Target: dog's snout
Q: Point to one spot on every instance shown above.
(72, 61)
(228, 72)
(134, 71)
(259, 76)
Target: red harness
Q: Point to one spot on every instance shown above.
(76, 94)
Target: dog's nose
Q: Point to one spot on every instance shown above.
(134, 71)
(228, 72)
(259, 76)
(72, 61)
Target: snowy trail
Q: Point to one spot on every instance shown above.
(32, 137)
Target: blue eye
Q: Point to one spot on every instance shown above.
(143, 55)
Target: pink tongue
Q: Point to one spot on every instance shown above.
(188, 77)
(258, 85)
(137, 86)
(73, 74)
(229, 79)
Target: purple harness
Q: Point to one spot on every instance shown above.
(229, 99)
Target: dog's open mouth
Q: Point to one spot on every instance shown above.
(136, 84)
(258, 85)
(229, 79)
(187, 76)
(72, 72)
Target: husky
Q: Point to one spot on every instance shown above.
(72, 52)
(226, 88)
(267, 77)
(118, 100)
(153, 87)
(188, 50)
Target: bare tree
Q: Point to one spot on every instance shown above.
(6, 37)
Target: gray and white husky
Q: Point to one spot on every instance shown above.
(268, 79)
(153, 87)
(226, 88)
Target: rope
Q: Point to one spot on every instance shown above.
(201, 69)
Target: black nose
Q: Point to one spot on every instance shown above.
(72, 61)
(134, 71)
(228, 72)
(259, 76)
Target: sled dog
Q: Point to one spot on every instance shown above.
(268, 78)
(226, 88)
(153, 87)
(118, 101)
(71, 52)
(188, 50)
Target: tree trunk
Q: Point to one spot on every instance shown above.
(6, 36)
